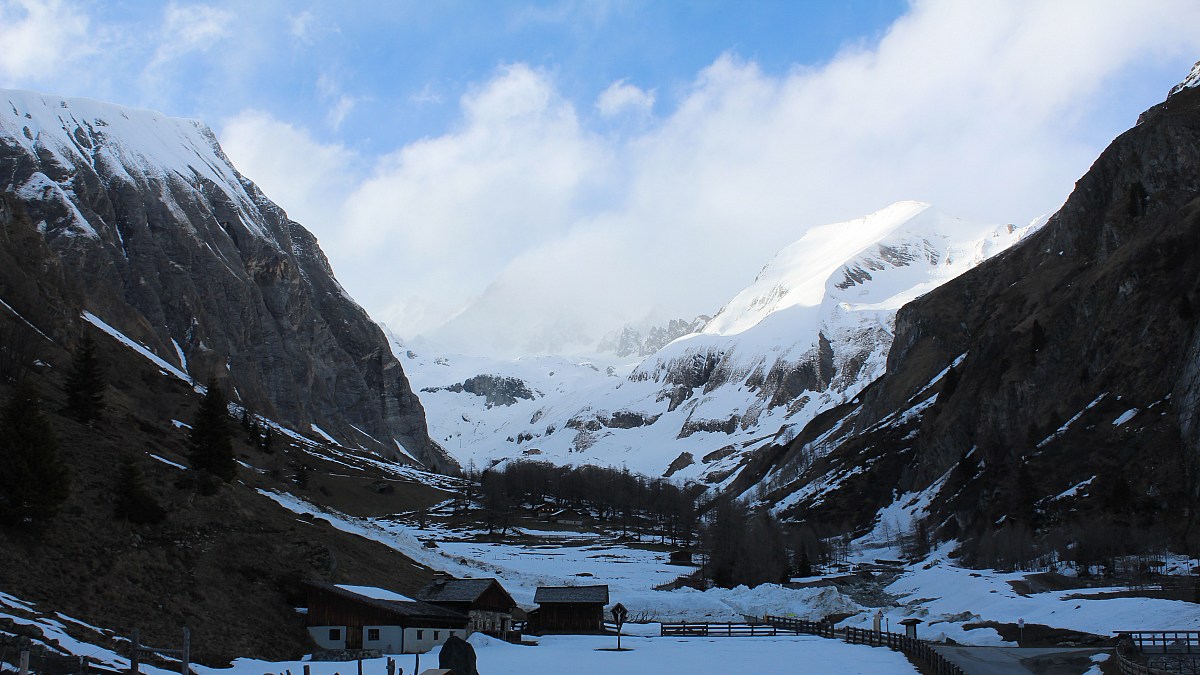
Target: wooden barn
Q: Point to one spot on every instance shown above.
(569, 609)
(485, 601)
(570, 517)
(371, 621)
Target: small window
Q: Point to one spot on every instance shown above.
(435, 635)
(335, 633)
(420, 634)
(373, 634)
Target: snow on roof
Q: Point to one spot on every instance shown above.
(405, 607)
(375, 593)
(562, 594)
(456, 590)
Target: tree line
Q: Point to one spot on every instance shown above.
(639, 505)
(733, 543)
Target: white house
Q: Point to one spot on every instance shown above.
(345, 618)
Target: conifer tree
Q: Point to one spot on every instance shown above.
(210, 447)
(33, 482)
(134, 502)
(85, 383)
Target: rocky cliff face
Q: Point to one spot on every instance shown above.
(148, 226)
(630, 341)
(1052, 388)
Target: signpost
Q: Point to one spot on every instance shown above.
(1021, 636)
(619, 613)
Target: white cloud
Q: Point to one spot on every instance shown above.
(309, 179)
(190, 28)
(427, 95)
(621, 97)
(544, 231)
(300, 26)
(39, 37)
(340, 105)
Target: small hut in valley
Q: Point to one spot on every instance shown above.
(568, 609)
(485, 601)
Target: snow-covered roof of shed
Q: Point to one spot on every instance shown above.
(563, 594)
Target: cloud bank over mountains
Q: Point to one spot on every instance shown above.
(536, 219)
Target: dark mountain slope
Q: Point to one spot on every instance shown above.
(1078, 366)
(148, 226)
(229, 565)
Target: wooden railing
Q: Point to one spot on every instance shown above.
(1163, 641)
(914, 647)
(728, 629)
(1157, 643)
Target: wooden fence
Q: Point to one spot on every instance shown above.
(1181, 645)
(914, 647)
(1163, 641)
(728, 629)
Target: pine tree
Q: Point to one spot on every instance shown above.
(85, 383)
(134, 502)
(210, 447)
(33, 482)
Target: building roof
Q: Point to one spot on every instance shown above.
(459, 590)
(410, 609)
(559, 594)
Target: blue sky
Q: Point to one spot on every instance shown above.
(520, 176)
(343, 70)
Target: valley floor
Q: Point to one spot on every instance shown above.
(969, 607)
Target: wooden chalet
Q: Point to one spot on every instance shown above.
(485, 601)
(569, 609)
(369, 622)
(570, 517)
(681, 556)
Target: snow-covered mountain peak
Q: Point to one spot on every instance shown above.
(811, 331)
(1192, 80)
(140, 146)
(797, 275)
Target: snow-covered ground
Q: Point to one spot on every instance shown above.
(949, 600)
(945, 596)
(577, 654)
(948, 597)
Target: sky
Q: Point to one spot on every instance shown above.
(520, 177)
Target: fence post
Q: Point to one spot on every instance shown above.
(185, 668)
(135, 652)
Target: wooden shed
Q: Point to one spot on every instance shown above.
(364, 620)
(485, 601)
(569, 609)
(570, 517)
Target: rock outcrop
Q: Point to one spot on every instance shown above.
(1052, 388)
(149, 227)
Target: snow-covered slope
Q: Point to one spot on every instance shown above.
(811, 331)
(139, 147)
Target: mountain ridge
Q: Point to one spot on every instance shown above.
(164, 239)
(1066, 365)
(699, 406)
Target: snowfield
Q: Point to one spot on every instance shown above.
(945, 596)
(577, 654)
